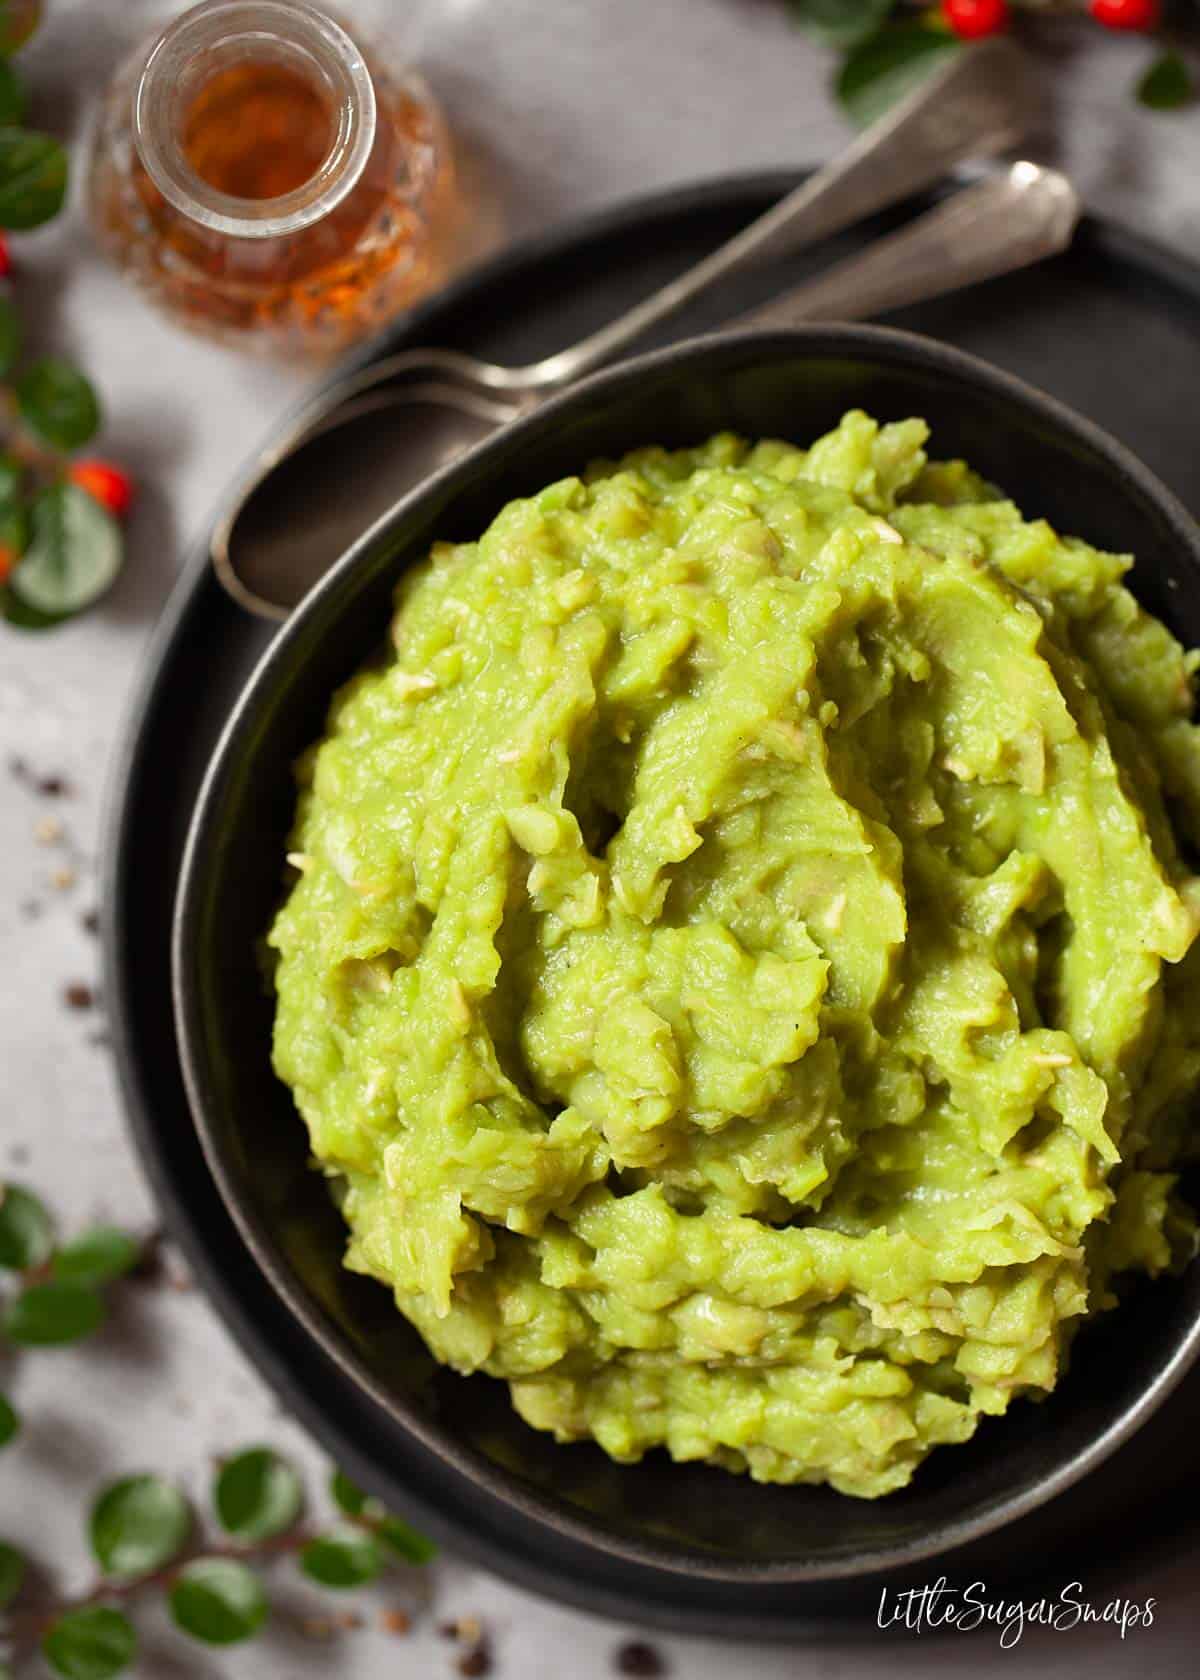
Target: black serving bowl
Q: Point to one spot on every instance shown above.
(678, 1544)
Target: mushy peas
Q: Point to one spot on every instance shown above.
(739, 970)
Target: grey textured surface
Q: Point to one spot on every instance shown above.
(563, 104)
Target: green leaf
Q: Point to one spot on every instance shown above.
(15, 612)
(93, 1644)
(33, 178)
(14, 528)
(346, 1496)
(406, 1541)
(12, 1572)
(1167, 83)
(26, 1230)
(10, 330)
(219, 1601)
(74, 553)
(397, 1535)
(12, 96)
(98, 1256)
(18, 20)
(138, 1524)
(840, 23)
(58, 402)
(10, 1421)
(14, 537)
(12, 479)
(884, 69)
(257, 1494)
(345, 1558)
(47, 1314)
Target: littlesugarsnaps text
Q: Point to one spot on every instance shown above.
(938, 1606)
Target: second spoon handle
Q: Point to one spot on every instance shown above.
(978, 105)
(985, 230)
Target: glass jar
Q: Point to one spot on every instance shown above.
(268, 180)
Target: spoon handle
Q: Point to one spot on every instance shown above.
(985, 230)
(979, 104)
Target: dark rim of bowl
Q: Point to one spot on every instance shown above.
(889, 344)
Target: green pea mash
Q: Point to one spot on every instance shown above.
(739, 972)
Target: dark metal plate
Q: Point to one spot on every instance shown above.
(1114, 329)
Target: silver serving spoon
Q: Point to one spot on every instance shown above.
(978, 105)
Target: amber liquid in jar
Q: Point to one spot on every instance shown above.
(276, 186)
(257, 130)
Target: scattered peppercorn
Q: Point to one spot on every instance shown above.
(48, 787)
(1127, 14)
(111, 486)
(78, 996)
(971, 20)
(460, 1627)
(90, 922)
(639, 1659)
(476, 1661)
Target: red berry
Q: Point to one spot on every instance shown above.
(18, 20)
(111, 487)
(1126, 14)
(973, 19)
(8, 559)
(5, 259)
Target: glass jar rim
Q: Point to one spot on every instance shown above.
(229, 31)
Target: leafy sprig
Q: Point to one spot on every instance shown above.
(33, 166)
(141, 1530)
(59, 1287)
(142, 1534)
(60, 546)
(887, 46)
